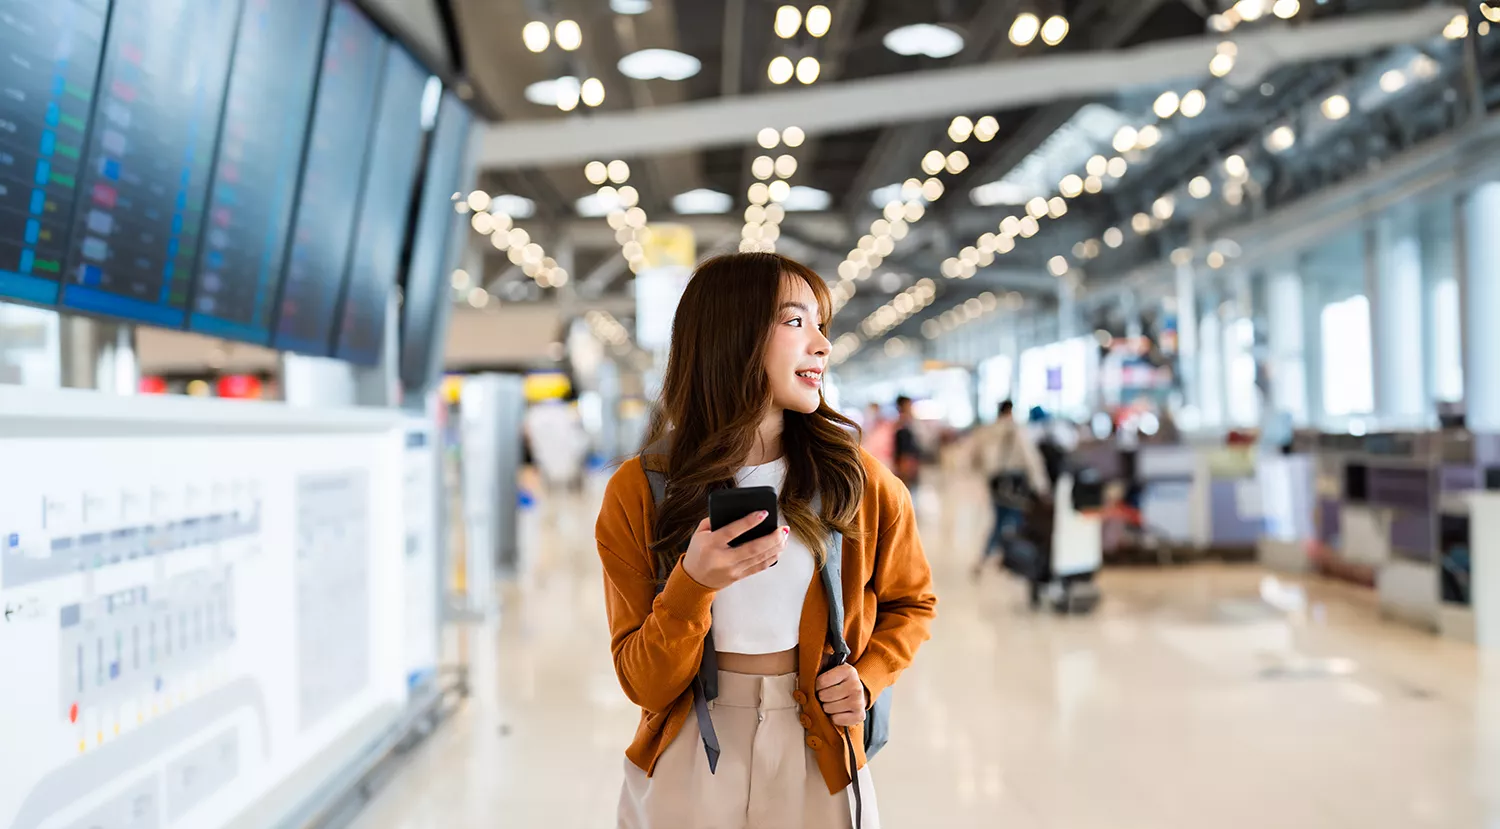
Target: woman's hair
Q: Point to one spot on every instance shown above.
(715, 395)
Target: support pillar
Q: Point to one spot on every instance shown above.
(1393, 270)
(1480, 290)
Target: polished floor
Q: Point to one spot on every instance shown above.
(1203, 696)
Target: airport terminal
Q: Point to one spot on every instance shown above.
(644, 413)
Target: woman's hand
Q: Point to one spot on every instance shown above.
(843, 695)
(716, 565)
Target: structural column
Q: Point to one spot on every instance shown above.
(1287, 342)
(1187, 336)
(1480, 289)
(1393, 270)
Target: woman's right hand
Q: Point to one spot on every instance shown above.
(716, 565)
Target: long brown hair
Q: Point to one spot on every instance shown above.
(716, 393)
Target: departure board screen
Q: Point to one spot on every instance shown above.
(49, 58)
(390, 177)
(328, 200)
(150, 152)
(256, 168)
(438, 241)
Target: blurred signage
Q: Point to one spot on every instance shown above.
(240, 387)
(546, 385)
(670, 251)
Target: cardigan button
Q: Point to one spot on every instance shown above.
(814, 743)
(807, 722)
(799, 697)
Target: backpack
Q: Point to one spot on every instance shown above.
(706, 684)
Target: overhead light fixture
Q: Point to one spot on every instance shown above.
(619, 171)
(1097, 165)
(1054, 30)
(819, 20)
(551, 93)
(1117, 167)
(960, 128)
(1093, 184)
(483, 223)
(1393, 80)
(596, 173)
(1037, 207)
(536, 36)
(1250, 10)
(702, 201)
(1221, 64)
(768, 138)
(933, 162)
(1140, 223)
(763, 167)
(1057, 207)
(759, 193)
(630, 6)
(786, 165)
(1025, 28)
(986, 128)
(1491, 13)
(1071, 186)
(803, 199)
(932, 190)
(1193, 103)
(1286, 9)
(793, 137)
(592, 92)
(788, 21)
(478, 200)
(779, 190)
(507, 206)
(1125, 139)
(1164, 207)
(780, 70)
(659, 64)
(956, 162)
(1166, 104)
(1029, 227)
(1148, 137)
(1215, 259)
(569, 93)
(568, 35)
(1200, 187)
(1458, 27)
(1335, 107)
(1281, 139)
(1057, 266)
(925, 39)
(1114, 237)
(479, 297)
(1425, 67)
(807, 70)
(1236, 167)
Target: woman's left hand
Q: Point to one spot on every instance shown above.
(843, 695)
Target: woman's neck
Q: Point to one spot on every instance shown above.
(767, 445)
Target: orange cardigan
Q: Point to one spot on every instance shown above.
(657, 640)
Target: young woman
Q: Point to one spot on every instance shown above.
(742, 405)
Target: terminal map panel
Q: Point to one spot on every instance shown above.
(49, 58)
(137, 230)
(255, 174)
(329, 198)
(385, 208)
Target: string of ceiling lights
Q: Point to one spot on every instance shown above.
(772, 185)
(789, 22)
(568, 35)
(971, 310)
(623, 211)
(490, 219)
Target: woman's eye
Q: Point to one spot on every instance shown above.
(797, 321)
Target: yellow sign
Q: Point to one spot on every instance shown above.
(546, 385)
(668, 244)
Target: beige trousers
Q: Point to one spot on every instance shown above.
(767, 777)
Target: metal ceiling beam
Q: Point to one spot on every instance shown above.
(939, 93)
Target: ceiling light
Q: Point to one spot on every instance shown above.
(1117, 167)
(1281, 139)
(1458, 27)
(911, 189)
(483, 223)
(899, 227)
(479, 297)
(914, 211)
(536, 36)
(1125, 139)
(1054, 30)
(1091, 249)
(1393, 80)
(1491, 13)
(924, 39)
(1221, 64)
(786, 166)
(592, 92)
(986, 128)
(630, 6)
(547, 93)
(659, 64)
(780, 71)
(788, 20)
(1005, 244)
(779, 190)
(1029, 227)
(568, 93)
(1193, 103)
(1037, 207)
(1025, 29)
(893, 210)
(1164, 207)
(763, 167)
(703, 201)
(819, 19)
(932, 189)
(502, 221)
(1071, 186)
(1215, 259)
(596, 172)
(1097, 166)
(479, 200)
(599, 204)
(755, 214)
(807, 70)
(519, 238)
(1140, 223)
(793, 136)
(1235, 166)
(509, 206)
(759, 193)
(960, 128)
(768, 138)
(1182, 256)
(1149, 136)
(1200, 187)
(1335, 107)
(1010, 225)
(619, 171)
(532, 253)
(628, 196)
(635, 217)
(1222, 22)
(1286, 9)
(460, 279)
(1057, 266)
(956, 162)
(1093, 184)
(1250, 10)
(775, 213)
(1057, 207)
(1114, 237)
(933, 162)
(880, 227)
(568, 36)
(1425, 67)
(1166, 104)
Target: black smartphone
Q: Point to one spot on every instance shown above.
(726, 506)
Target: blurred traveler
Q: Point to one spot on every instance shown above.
(879, 435)
(697, 621)
(1013, 469)
(907, 452)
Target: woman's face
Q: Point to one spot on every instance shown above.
(798, 351)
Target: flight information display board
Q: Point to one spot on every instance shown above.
(329, 195)
(50, 53)
(151, 146)
(385, 207)
(255, 174)
(436, 247)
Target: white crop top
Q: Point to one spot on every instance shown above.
(762, 613)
